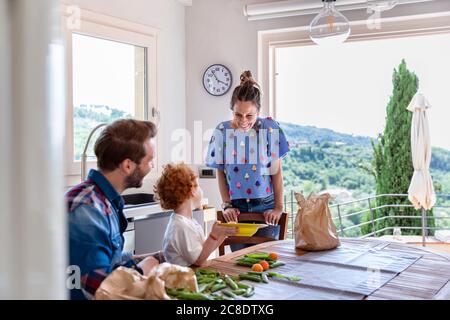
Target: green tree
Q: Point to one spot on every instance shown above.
(392, 163)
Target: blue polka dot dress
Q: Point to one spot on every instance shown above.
(246, 157)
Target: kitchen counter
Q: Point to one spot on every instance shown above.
(137, 212)
(147, 224)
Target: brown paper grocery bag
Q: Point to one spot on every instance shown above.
(128, 284)
(122, 284)
(314, 229)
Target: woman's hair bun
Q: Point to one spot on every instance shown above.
(247, 77)
(247, 90)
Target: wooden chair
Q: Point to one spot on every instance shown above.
(252, 217)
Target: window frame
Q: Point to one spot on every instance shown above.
(114, 29)
(398, 27)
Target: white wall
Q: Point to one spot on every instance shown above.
(169, 17)
(218, 32)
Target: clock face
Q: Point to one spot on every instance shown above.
(217, 80)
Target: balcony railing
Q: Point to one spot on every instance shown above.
(344, 211)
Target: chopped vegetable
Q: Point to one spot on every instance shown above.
(280, 276)
(250, 292)
(251, 277)
(212, 285)
(239, 292)
(204, 271)
(230, 282)
(185, 295)
(245, 263)
(244, 286)
(205, 280)
(218, 287)
(249, 259)
(228, 293)
(203, 286)
(259, 255)
(277, 264)
(235, 278)
(263, 259)
(264, 278)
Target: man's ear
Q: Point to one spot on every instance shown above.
(127, 166)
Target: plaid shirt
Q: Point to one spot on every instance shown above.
(96, 226)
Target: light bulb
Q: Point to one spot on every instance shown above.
(329, 27)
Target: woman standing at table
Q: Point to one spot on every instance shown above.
(247, 152)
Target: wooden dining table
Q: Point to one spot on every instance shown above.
(426, 276)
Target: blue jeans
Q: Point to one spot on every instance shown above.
(258, 206)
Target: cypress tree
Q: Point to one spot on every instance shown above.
(392, 163)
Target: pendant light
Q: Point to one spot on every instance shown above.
(329, 27)
(381, 5)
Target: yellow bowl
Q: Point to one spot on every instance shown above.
(245, 229)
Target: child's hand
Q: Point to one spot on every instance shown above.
(219, 231)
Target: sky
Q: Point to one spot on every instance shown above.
(347, 88)
(103, 73)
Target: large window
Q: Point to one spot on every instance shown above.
(340, 95)
(111, 75)
(108, 84)
(333, 107)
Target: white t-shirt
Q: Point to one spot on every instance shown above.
(183, 240)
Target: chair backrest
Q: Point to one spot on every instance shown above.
(252, 217)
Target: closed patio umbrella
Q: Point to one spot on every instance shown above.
(421, 190)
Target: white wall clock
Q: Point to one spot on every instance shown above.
(217, 80)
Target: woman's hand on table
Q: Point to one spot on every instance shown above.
(231, 214)
(273, 216)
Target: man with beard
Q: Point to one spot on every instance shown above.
(125, 151)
